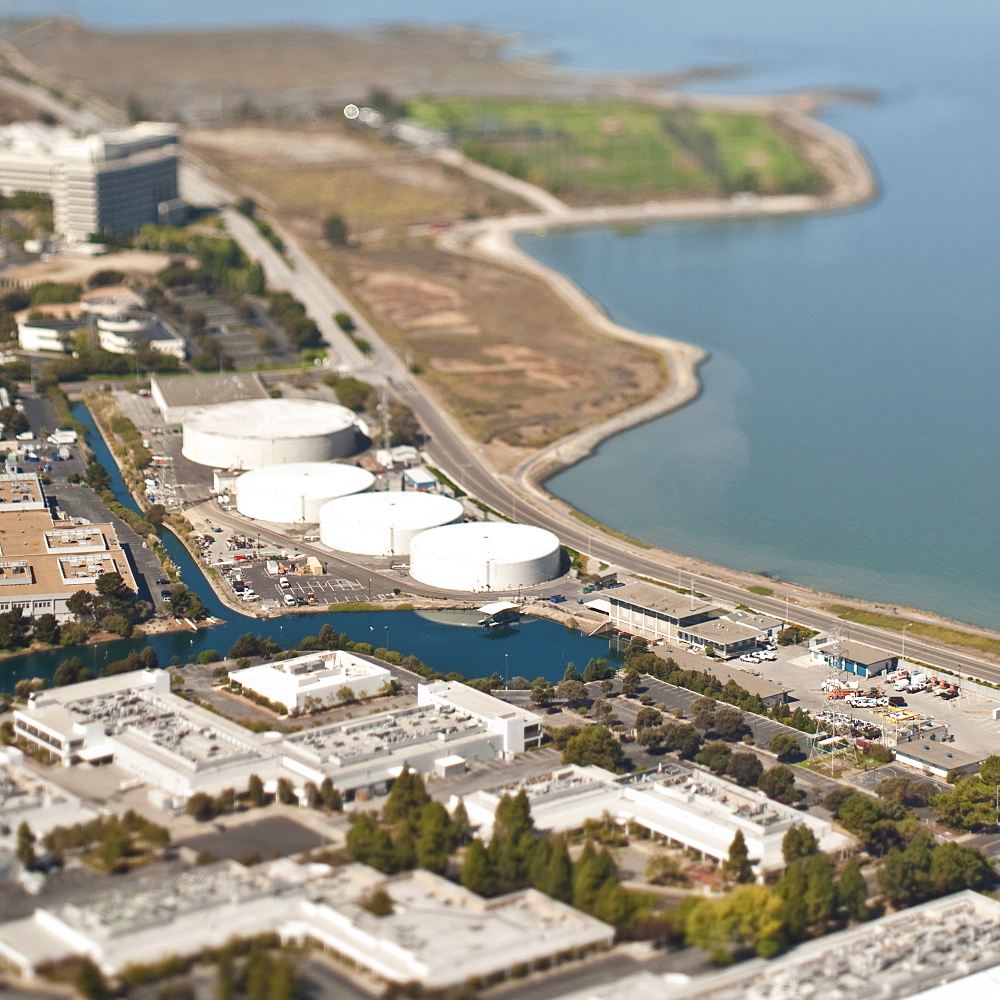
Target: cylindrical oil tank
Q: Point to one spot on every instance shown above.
(485, 556)
(383, 524)
(253, 433)
(294, 494)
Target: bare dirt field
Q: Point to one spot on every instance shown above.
(78, 269)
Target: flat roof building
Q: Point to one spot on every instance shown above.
(179, 748)
(654, 612)
(932, 757)
(182, 913)
(181, 395)
(852, 657)
(111, 182)
(43, 562)
(692, 809)
(520, 728)
(312, 681)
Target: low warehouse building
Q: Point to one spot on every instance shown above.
(183, 913)
(692, 809)
(259, 432)
(294, 493)
(383, 524)
(312, 681)
(481, 556)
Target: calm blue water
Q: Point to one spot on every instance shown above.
(845, 436)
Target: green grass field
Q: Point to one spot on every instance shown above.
(617, 151)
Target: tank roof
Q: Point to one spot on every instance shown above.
(404, 510)
(486, 541)
(268, 419)
(306, 479)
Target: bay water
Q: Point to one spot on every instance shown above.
(846, 435)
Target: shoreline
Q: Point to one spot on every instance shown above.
(853, 185)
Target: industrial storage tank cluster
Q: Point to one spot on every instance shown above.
(383, 524)
(253, 433)
(482, 556)
(294, 494)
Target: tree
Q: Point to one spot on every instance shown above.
(46, 630)
(25, 849)
(282, 981)
(200, 807)
(90, 982)
(737, 865)
(786, 747)
(285, 792)
(681, 739)
(542, 692)
(68, 672)
(647, 717)
(572, 692)
(791, 889)
(834, 800)
(13, 629)
(557, 877)
(225, 979)
(727, 722)
(852, 890)
(799, 842)
(704, 714)
(779, 783)
(378, 903)
(970, 805)
(989, 770)
(406, 800)
(715, 756)
(434, 838)
(597, 670)
(335, 230)
(461, 828)
(330, 796)
(571, 673)
(477, 874)
(821, 893)
(594, 745)
(255, 790)
(652, 737)
(955, 867)
(745, 768)
(630, 683)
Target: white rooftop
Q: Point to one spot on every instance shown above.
(269, 419)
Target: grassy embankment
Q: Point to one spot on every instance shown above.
(952, 636)
(613, 151)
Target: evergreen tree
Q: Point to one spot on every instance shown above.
(571, 673)
(852, 890)
(792, 891)
(799, 842)
(433, 844)
(406, 799)
(225, 978)
(630, 683)
(737, 866)
(821, 893)
(255, 790)
(25, 849)
(282, 981)
(558, 876)
(461, 828)
(331, 796)
(477, 873)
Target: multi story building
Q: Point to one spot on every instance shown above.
(108, 183)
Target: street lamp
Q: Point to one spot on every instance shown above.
(505, 665)
(386, 630)
(903, 653)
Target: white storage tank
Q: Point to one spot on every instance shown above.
(383, 524)
(487, 556)
(294, 494)
(252, 433)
